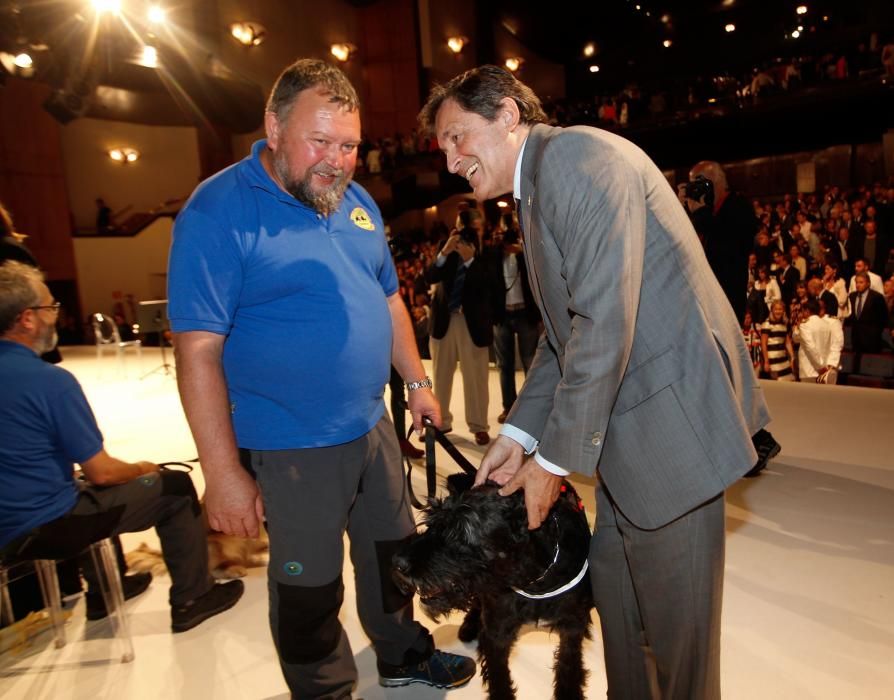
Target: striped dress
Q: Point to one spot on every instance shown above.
(776, 333)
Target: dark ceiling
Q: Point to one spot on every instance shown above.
(629, 41)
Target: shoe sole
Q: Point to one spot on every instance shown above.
(184, 626)
(401, 682)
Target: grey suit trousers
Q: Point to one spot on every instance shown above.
(658, 594)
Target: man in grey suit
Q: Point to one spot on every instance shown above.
(641, 375)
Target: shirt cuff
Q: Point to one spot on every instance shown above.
(440, 260)
(529, 443)
(549, 466)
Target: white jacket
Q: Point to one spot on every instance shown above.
(821, 342)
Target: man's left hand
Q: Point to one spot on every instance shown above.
(541, 488)
(423, 404)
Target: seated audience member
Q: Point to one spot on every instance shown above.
(776, 345)
(821, 343)
(46, 427)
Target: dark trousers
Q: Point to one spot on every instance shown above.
(311, 497)
(659, 594)
(515, 325)
(165, 500)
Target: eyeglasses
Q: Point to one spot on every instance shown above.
(54, 307)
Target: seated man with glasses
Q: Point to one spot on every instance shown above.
(46, 427)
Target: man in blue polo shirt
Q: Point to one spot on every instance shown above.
(286, 318)
(46, 427)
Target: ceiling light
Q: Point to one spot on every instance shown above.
(800, 28)
(589, 49)
(23, 60)
(457, 43)
(638, 7)
(514, 63)
(594, 69)
(665, 19)
(667, 43)
(156, 14)
(248, 33)
(343, 51)
(502, 204)
(796, 34)
(730, 27)
(124, 155)
(107, 6)
(20, 64)
(801, 9)
(149, 57)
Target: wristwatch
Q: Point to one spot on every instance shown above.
(421, 384)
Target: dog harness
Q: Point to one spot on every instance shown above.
(560, 589)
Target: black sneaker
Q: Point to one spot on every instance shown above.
(131, 586)
(441, 670)
(222, 596)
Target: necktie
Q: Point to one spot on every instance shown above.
(456, 292)
(859, 305)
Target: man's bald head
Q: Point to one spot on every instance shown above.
(711, 170)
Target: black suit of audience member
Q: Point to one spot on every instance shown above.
(866, 328)
(728, 235)
(830, 303)
(788, 278)
(477, 296)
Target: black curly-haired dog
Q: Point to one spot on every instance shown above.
(476, 554)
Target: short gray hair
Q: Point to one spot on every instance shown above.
(306, 73)
(18, 291)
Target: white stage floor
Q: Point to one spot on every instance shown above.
(809, 597)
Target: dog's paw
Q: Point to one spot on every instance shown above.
(471, 626)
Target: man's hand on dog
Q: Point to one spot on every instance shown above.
(502, 460)
(541, 489)
(234, 503)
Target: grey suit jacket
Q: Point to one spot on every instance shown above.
(642, 372)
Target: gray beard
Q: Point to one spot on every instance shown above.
(324, 202)
(47, 341)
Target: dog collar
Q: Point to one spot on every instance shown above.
(561, 589)
(558, 591)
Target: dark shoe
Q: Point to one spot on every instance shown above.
(222, 596)
(482, 438)
(408, 450)
(767, 448)
(131, 586)
(441, 670)
(502, 417)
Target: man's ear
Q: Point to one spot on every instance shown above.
(509, 114)
(272, 127)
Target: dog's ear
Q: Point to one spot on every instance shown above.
(458, 483)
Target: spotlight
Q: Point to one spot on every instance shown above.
(730, 28)
(457, 43)
(589, 49)
(343, 51)
(101, 6)
(796, 34)
(124, 155)
(667, 43)
(149, 57)
(801, 9)
(157, 14)
(248, 33)
(594, 69)
(514, 63)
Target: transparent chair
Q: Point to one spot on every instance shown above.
(109, 579)
(107, 337)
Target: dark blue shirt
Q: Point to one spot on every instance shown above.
(301, 299)
(46, 427)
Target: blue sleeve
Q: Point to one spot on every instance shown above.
(74, 425)
(204, 275)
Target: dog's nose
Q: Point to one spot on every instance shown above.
(400, 562)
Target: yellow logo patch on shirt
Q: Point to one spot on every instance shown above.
(361, 219)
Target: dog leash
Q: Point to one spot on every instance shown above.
(432, 435)
(186, 467)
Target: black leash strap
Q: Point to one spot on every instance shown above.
(167, 466)
(432, 435)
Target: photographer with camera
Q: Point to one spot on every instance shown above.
(727, 225)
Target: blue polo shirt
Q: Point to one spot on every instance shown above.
(301, 299)
(46, 427)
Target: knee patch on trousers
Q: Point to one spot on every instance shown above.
(307, 621)
(179, 484)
